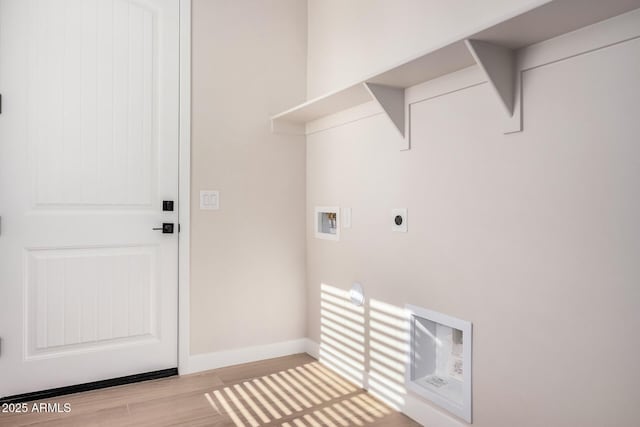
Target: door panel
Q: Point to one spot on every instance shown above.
(88, 297)
(88, 151)
(91, 113)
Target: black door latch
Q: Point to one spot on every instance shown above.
(167, 228)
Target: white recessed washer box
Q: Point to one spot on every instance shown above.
(327, 223)
(439, 362)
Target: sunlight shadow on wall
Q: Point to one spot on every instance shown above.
(368, 345)
(342, 334)
(360, 346)
(388, 350)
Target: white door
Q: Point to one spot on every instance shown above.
(88, 152)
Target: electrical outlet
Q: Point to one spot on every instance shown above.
(399, 220)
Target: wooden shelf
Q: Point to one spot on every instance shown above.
(492, 48)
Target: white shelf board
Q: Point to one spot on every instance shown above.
(319, 107)
(435, 63)
(547, 20)
(551, 20)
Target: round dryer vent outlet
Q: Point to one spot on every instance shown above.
(356, 294)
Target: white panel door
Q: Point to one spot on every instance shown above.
(88, 152)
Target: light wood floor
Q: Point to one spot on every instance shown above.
(292, 391)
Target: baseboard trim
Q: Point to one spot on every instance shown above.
(220, 359)
(95, 385)
(312, 348)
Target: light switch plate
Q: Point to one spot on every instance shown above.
(209, 200)
(399, 220)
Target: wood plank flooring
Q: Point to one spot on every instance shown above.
(292, 391)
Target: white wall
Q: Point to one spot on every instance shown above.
(248, 258)
(534, 237)
(349, 40)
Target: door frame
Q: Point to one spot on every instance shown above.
(184, 190)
